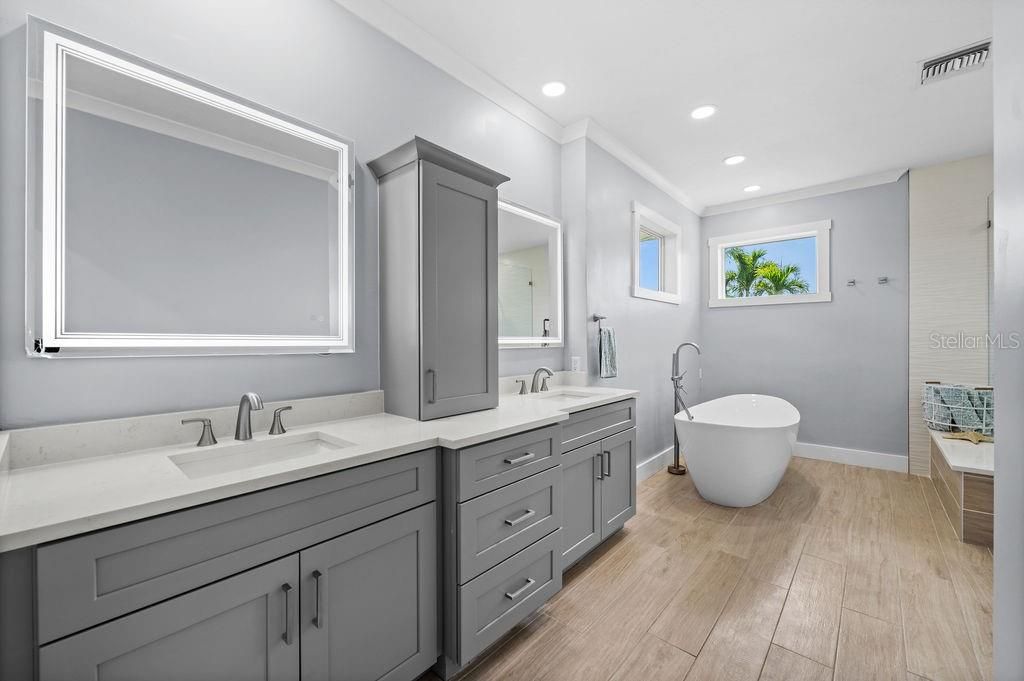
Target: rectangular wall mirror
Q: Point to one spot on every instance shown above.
(167, 217)
(529, 278)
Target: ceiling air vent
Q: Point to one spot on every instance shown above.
(961, 61)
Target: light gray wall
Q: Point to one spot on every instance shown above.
(574, 231)
(646, 331)
(1008, 318)
(843, 364)
(306, 58)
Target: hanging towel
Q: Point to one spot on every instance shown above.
(609, 362)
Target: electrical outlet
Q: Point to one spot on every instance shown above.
(577, 363)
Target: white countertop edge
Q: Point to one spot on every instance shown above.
(29, 535)
(965, 460)
(132, 513)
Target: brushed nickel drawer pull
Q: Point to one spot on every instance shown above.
(288, 636)
(520, 459)
(433, 387)
(521, 590)
(524, 517)
(318, 621)
(608, 464)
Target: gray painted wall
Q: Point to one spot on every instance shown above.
(1008, 317)
(306, 58)
(647, 331)
(843, 364)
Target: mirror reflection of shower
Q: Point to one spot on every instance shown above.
(676, 468)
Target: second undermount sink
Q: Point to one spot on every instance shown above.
(563, 394)
(236, 456)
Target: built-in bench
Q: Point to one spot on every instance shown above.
(962, 473)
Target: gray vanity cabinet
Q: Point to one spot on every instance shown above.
(369, 601)
(600, 492)
(439, 281)
(342, 567)
(243, 627)
(599, 476)
(581, 515)
(618, 481)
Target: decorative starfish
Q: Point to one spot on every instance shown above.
(970, 436)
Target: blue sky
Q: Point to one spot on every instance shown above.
(799, 252)
(650, 261)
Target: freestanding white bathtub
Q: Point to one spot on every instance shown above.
(738, 447)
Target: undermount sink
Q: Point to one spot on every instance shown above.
(238, 456)
(561, 394)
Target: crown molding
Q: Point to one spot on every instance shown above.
(592, 130)
(396, 26)
(860, 182)
(399, 28)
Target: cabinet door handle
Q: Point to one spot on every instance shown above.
(600, 465)
(607, 464)
(520, 459)
(318, 621)
(433, 386)
(521, 590)
(524, 517)
(288, 636)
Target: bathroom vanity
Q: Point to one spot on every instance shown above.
(375, 536)
(381, 547)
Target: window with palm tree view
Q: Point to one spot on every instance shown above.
(775, 266)
(771, 269)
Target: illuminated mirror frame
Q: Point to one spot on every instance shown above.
(554, 340)
(51, 334)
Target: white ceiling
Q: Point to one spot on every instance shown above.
(811, 91)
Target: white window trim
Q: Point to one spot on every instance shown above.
(717, 247)
(672, 254)
(52, 327)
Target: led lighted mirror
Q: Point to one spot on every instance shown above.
(529, 278)
(167, 217)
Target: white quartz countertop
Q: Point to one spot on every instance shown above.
(965, 456)
(46, 502)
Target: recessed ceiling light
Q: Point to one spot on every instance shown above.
(734, 160)
(553, 89)
(752, 188)
(706, 111)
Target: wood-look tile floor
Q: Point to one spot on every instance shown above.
(844, 573)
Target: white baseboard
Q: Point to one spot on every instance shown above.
(853, 457)
(658, 462)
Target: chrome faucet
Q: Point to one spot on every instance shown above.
(243, 426)
(537, 385)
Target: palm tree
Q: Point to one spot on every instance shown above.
(775, 279)
(741, 282)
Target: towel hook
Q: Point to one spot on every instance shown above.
(597, 318)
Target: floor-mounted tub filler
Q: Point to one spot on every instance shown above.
(738, 447)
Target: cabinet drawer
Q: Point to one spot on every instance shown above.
(591, 425)
(93, 578)
(497, 600)
(487, 467)
(233, 629)
(498, 524)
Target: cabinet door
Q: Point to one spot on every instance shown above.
(618, 486)
(459, 293)
(244, 627)
(581, 508)
(369, 601)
